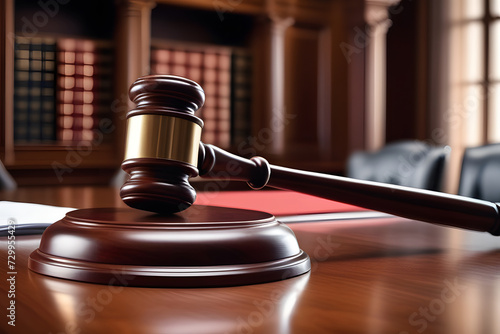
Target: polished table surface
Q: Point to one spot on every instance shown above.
(381, 275)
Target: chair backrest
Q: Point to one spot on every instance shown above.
(480, 174)
(6, 180)
(408, 163)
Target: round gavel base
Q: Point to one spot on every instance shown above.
(203, 246)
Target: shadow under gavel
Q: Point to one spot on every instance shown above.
(163, 151)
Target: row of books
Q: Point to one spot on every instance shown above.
(63, 88)
(34, 93)
(225, 76)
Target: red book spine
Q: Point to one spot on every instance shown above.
(211, 68)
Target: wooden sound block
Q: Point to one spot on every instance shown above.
(202, 246)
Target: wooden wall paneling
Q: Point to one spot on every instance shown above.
(316, 100)
(408, 63)
(302, 118)
(310, 122)
(291, 110)
(336, 80)
(325, 84)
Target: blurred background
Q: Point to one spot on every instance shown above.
(304, 83)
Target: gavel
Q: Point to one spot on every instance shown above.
(164, 149)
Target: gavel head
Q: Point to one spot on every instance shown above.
(163, 139)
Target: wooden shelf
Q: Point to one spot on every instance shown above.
(83, 155)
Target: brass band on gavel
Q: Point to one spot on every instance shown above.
(163, 137)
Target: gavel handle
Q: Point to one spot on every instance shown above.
(424, 205)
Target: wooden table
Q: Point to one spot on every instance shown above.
(383, 275)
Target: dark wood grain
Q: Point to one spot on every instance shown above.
(166, 95)
(388, 275)
(158, 185)
(203, 246)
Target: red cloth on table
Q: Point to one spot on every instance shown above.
(276, 202)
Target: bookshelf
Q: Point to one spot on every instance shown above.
(211, 68)
(57, 78)
(272, 72)
(61, 89)
(225, 73)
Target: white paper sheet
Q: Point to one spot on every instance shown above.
(28, 218)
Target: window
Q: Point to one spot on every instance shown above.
(475, 71)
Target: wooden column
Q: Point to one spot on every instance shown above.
(7, 81)
(277, 107)
(270, 109)
(132, 57)
(133, 43)
(268, 134)
(377, 19)
(352, 46)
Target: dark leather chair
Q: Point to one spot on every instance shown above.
(408, 163)
(6, 180)
(480, 174)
